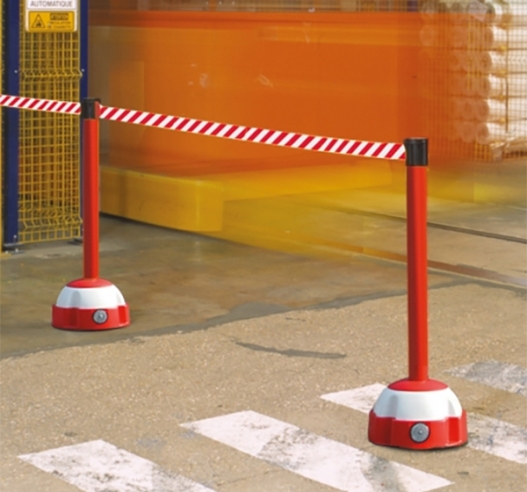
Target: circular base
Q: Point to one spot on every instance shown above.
(90, 304)
(418, 415)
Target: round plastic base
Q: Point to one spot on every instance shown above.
(90, 304)
(418, 415)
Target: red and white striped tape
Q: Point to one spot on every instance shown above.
(40, 104)
(393, 151)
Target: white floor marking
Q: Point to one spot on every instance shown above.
(326, 461)
(361, 399)
(486, 434)
(98, 466)
(498, 438)
(499, 375)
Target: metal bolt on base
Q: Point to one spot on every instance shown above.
(100, 316)
(419, 432)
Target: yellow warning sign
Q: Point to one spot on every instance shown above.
(51, 21)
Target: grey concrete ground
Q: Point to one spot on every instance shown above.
(218, 328)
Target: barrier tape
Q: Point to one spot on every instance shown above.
(393, 151)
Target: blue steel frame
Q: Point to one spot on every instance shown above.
(11, 122)
(11, 116)
(83, 26)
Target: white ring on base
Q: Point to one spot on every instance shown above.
(418, 405)
(106, 297)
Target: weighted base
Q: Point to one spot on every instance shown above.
(418, 415)
(90, 304)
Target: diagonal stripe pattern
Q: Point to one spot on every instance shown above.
(357, 148)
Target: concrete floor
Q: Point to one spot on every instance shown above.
(219, 327)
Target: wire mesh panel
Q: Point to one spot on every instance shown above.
(477, 52)
(472, 67)
(49, 143)
(258, 5)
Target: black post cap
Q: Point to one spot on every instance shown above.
(416, 151)
(89, 108)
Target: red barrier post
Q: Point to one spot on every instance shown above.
(90, 303)
(417, 412)
(90, 174)
(416, 210)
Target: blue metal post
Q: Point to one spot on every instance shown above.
(11, 122)
(83, 37)
(83, 26)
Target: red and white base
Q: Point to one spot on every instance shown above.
(418, 415)
(90, 304)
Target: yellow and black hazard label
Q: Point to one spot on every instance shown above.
(51, 21)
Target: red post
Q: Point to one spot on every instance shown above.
(90, 303)
(416, 207)
(90, 126)
(417, 412)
